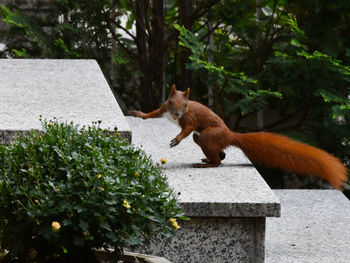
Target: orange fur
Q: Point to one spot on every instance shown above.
(213, 136)
(278, 151)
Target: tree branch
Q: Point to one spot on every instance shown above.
(124, 29)
(210, 31)
(114, 35)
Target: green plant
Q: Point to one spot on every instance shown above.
(68, 190)
(248, 95)
(316, 89)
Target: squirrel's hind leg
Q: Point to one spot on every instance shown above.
(222, 154)
(211, 149)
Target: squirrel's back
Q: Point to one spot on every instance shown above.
(203, 116)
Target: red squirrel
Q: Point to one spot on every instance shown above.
(213, 136)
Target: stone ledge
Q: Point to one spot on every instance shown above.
(211, 239)
(235, 189)
(313, 227)
(228, 191)
(70, 90)
(227, 205)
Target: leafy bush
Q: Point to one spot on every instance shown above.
(69, 190)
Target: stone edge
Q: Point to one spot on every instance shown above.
(7, 136)
(231, 209)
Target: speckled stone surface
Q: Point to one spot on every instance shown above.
(214, 240)
(314, 227)
(234, 189)
(70, 90)
(227, 204)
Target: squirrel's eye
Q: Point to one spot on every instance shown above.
(170, 102)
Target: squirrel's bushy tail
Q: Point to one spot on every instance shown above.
(278, 151)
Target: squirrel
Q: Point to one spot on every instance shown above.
(213, 136)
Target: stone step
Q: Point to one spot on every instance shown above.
(227, 204)
(69, 90)
(314, 227)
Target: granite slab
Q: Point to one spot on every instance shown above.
(227, 205)
(234, 189)
(220, 240)
(69, 90)
(313, 227)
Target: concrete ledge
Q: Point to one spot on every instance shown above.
(235, 189)
(222, 240)
(228, 191)
(314, 227)
(70, 90)
(227, 204)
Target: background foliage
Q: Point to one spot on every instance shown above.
(286, 60)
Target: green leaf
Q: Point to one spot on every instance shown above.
(120, 59)
(21, 53)
(60, 43)
(133, 241)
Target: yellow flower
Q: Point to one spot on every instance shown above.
(90, 146)
(137, 174)
(56, 226)
(102, 189)
(98, 176)
(174, 223)
(126, 204)
(163, 161)
(36, 201)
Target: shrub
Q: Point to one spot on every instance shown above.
(68, 190)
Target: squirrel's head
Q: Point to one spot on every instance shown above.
(177, 102)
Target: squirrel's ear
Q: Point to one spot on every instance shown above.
(173, 90)
(187, 93)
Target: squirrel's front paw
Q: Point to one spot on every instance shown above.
(136, 113)
(174, 142)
